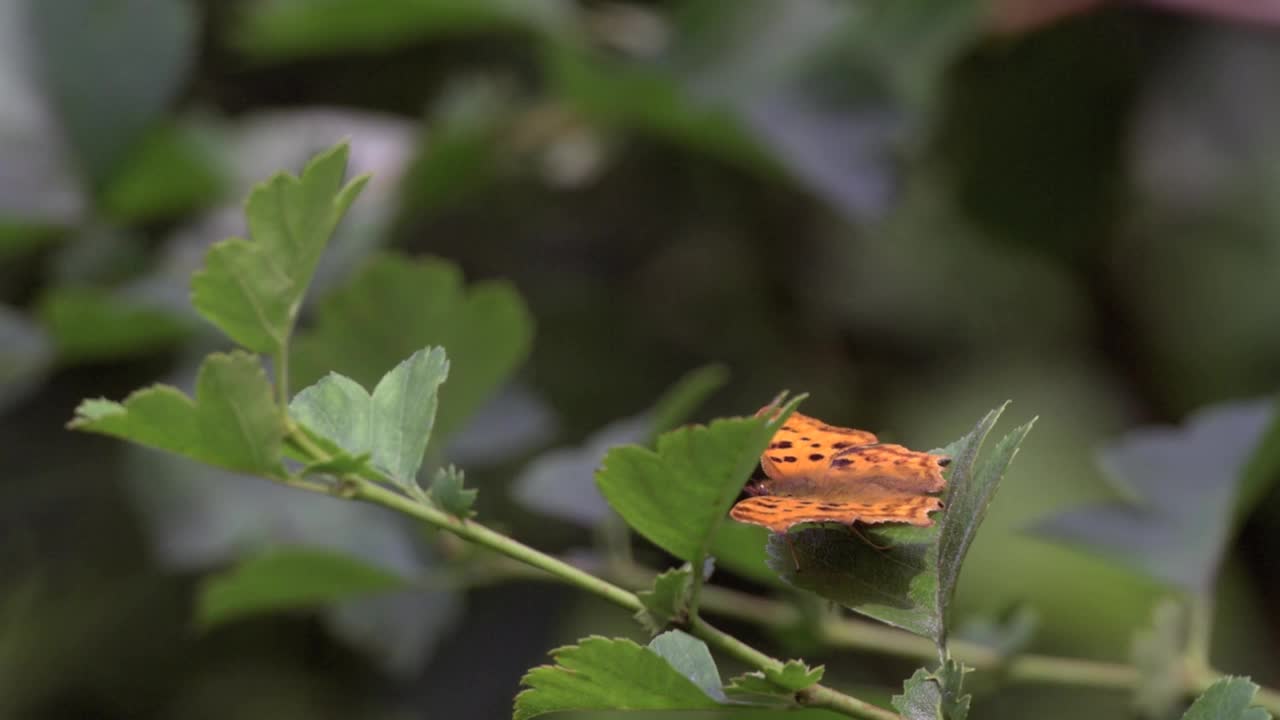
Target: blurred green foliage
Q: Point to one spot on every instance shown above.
(889, 206)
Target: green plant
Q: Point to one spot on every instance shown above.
(337, 438)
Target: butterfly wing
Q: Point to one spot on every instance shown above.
(824, 473)
(803, 447)
(779, 513)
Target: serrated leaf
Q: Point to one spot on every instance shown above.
(784, 684)
(1157, 655)
(1179, 488)
(677, 496)
(289, 578)
(667, 601)
(910, 583)
(252, 289)
(603, 674)
(448, 492)
(404, 412)
(394, 306)
(934, 695)
(392, 426)
(795, 675)
(1227, 699)
(232, 423)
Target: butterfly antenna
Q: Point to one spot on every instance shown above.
(853, 529)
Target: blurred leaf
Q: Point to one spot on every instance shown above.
(89, 324)
(40, 188)
(283, 29)
(447, 491)
(909, 584)
(1179, 489)
(26, 355)
(603, 674)
(667, 601)
(678, 402)
(148, 45)
(934, 695)
(1228, 699)
(196, 516)
(289, 578)
(463, 149)
(252, 290)
(394, 307)
(560, 482)
(1157, 655)
(233, 422)
(1260, 473)
(1007, 633)
(175, 169)
(676, 497)
(393, 425)
(648, 97)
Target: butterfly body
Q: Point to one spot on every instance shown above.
(817, 472)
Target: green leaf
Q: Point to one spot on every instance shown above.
(392, 426)
(1157, 655)
(690, 657)
(794, 677)
(174, 169)
(934, 695)
(404, 411)
(677, 496)
(910, 583)
(603, 674)
(337, 409)
(1177, 494)
(1227, 699)
(233, 422)
(252, 290)
(448, 492)
(668, 601)
(650, 98)
(1007, 632)
(282, 29)
(394, 307)
(289, 578)
(94, 324)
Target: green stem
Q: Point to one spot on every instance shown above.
(816, 696)
(484, 537)
(819, 696)
(280, 363)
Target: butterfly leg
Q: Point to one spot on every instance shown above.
(865, 539)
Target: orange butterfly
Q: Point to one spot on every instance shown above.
(822, 473)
